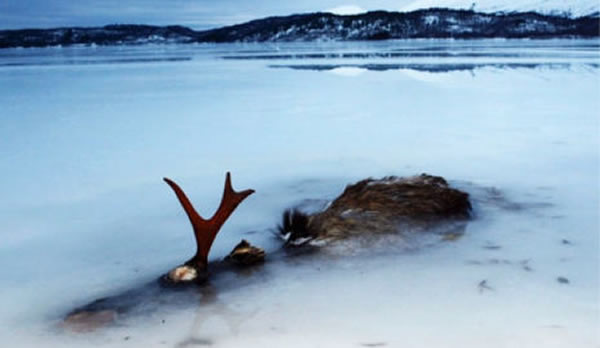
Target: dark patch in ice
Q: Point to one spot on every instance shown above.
(193, 342)
(497, 198)
(516, 45)
(99, 61)
(386, 67)
(432, 68)
(562, 280)
(492, 247)
(484, 286)
(404, 54)
(537, 205)
(492, 197)
(473, 262)
(499, 261)
(523, 264)
(374, 344)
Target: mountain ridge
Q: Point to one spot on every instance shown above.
(322, 26)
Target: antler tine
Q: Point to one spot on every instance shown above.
(195, 218)
(231, 199)
(206, 231)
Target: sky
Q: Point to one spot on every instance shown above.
(197, 14)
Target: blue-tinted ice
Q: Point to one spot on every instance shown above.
(87, 133)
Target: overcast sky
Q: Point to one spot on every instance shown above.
(199, 14)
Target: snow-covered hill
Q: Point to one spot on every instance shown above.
(376, 25)
(556, 7)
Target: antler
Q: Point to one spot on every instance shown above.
(206, 230)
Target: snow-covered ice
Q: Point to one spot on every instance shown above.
(87, 133)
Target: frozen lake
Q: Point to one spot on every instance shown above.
(87, 133)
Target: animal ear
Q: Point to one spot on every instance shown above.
(294, 225)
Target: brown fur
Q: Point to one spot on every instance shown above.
(383, 206)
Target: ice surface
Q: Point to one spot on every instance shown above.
(87, 134)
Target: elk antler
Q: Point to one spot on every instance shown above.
(206, 230)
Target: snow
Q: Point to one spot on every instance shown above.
(88, 134)
(346, 10)
(572, 8)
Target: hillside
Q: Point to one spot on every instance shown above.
(379, 25)
(575, 8)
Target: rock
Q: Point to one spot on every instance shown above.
(386, 205)
(245, 254)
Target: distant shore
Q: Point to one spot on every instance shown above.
(378, 25)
